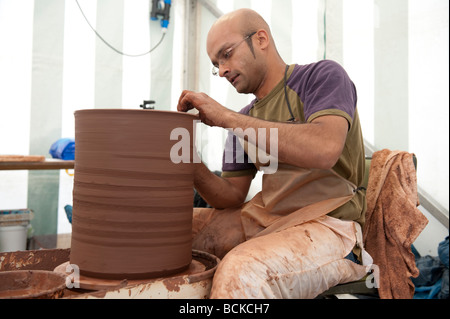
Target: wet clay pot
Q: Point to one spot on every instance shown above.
(132, 195)
(31, 284)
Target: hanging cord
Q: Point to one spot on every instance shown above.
(114, 49)
(70, 174)
(292, 119)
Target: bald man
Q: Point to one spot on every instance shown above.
(302, 233)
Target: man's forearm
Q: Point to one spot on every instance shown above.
(215, 190)
(314, 145)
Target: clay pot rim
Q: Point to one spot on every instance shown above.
(112, 110)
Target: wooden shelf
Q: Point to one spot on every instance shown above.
(47, 164)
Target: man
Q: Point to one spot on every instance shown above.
(295, 238)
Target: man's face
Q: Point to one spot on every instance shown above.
(231, 54)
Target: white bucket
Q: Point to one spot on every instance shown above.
(13, 238)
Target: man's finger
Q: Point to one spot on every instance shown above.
(182, 95)
(184, 103)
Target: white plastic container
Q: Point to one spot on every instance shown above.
(13, 238)
(14, 224)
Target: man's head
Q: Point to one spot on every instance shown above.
(241, 47)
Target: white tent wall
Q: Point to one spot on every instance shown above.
(15, 95)
(51, 64)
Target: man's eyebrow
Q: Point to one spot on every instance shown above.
(222, 48)
(218, 54)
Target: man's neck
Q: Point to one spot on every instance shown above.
(273, 77)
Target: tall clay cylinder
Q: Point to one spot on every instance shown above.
(132, 195)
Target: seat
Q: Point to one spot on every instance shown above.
(358, 287)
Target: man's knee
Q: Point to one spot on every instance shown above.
(217, 231)
(237, 276)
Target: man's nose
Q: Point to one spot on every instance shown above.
(223, 70)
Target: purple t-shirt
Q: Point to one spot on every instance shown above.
(319, 86)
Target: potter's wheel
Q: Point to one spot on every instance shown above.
(90, 283)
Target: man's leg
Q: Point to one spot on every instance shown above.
(216, 231)
(298, 262)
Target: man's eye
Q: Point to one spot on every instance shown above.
(227, 54)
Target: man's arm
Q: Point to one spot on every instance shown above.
(220, 192)
(312, 145)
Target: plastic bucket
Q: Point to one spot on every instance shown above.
(13, 238)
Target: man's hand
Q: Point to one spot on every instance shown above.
(210, 111)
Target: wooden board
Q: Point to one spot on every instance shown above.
(22, 158)
(36, 165)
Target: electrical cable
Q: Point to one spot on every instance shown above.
(110, 46)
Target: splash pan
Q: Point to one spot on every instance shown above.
(31, 284)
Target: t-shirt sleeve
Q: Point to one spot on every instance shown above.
(328, 90)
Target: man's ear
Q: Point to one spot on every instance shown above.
(262, 38)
